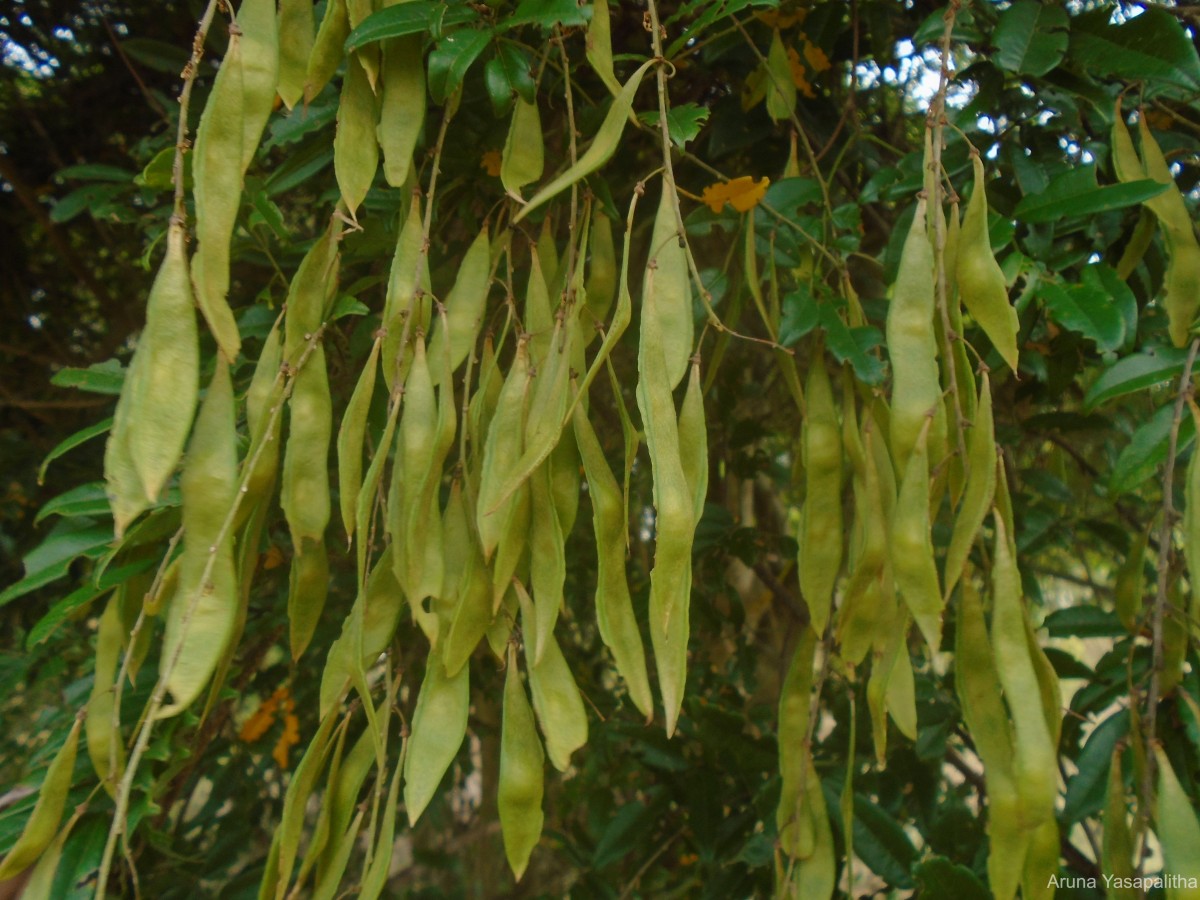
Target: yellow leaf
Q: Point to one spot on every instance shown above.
(816, 58)
(263, 718)
(289, 738)
(799, 74)
(273, 558)
(743, 193)
(491, 163)
(775, 18)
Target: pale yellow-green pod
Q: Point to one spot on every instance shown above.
(981, 284)
(404, 280)
(217, 178)
(439, 725)
(1116, 859)
(42, 823)
(666, 291)
(523, 158)
(402, 106)
(522, 775)
(980, 490)
(296, 36)
(101, 741)
(260, 70)
(601, 269)
(913, 562)
(557, 702)
(820, 556)
(328, 49)
(547, 559)
(355, 149)
(350, 440)
(793, 819)
(1177, 829)
(466, 304)
(201, 617)
(599, 46)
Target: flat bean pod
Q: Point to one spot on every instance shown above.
(42, 823)
(521, 773)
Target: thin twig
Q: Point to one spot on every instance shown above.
(185, 96)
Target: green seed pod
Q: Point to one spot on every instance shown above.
(101, 741)
(556, 700)
(820, 556)
(521, 773)
(328, 49)
(296, 35)
(523, 158)
(912, 548)
(42, 823)
(260, 70)
(355, 149)
(402, 108)
(439, 725)
(666, 291)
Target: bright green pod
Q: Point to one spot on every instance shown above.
(355, 149)
(42, 823)
(522, 775)
(201, 618)
(439, 725)
(217, 179)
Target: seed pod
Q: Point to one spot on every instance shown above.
(439, 725)
(42, 823)
(217, 178)
(1035, 762)
(1176, 826)
(980, 487)
(404, 280)
(666, 291)
(355, 149)
(547, 559)
(816, 875)
(557, 702)
(978, 687)
(912, 547)
(820, 556)
(465, 307)
(602, 268)
(101, 741)
(523, 158)
(328, 49)
(260, 70)
(201, 618)
(911, 344)
(614, 607)
(1116, 860)
(1127, 166)
(793, 818)
(311, 291)
(603, 146)
(402, 110)
(295, 48)
(521, 773)
(472, 612)
(781, 90)
(158, 398)
(599, 46)
(981, 284)
(350, 440)
(375, 878)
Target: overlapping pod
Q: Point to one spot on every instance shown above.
(981, 284)
(465, 306)
(439, 725)
(296, 34)
(260, 70)
(980, 490)
(522, 773)
(912, 348)
(42, 823)
(104, 747)
(820, 557)
(217, 178)
(913, 563)
(1035, 758)
(350, 440)
(201, 618)
(158, 399)
(1177, 829)
(328, 49)
(355, 149)
(409, 276)
(402, 106)
(666, 291)
(793, 817)
(614, 607)
(523, 158)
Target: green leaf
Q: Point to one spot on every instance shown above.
(940, 879)
(1086, 310)
(1031, 37)
(881, 842)
(852, 345)
(159, 172)
(1133, 373)
(52, 558)
(1147, 450)
(96, 172)
(800, 315)
(1083, 621)
(1087, 787)
(548, 13)
(348, 306)
(715, 11)
(449, 62)
(89, 198)
(268, 213)
(85, 500)
(169, 58)
(683, 122)
(1104, 278)
(83, 595)
(99, 378)
(507, 75)
(79, 437)
(416, 17)
(1151, 47)
(1075, 193)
